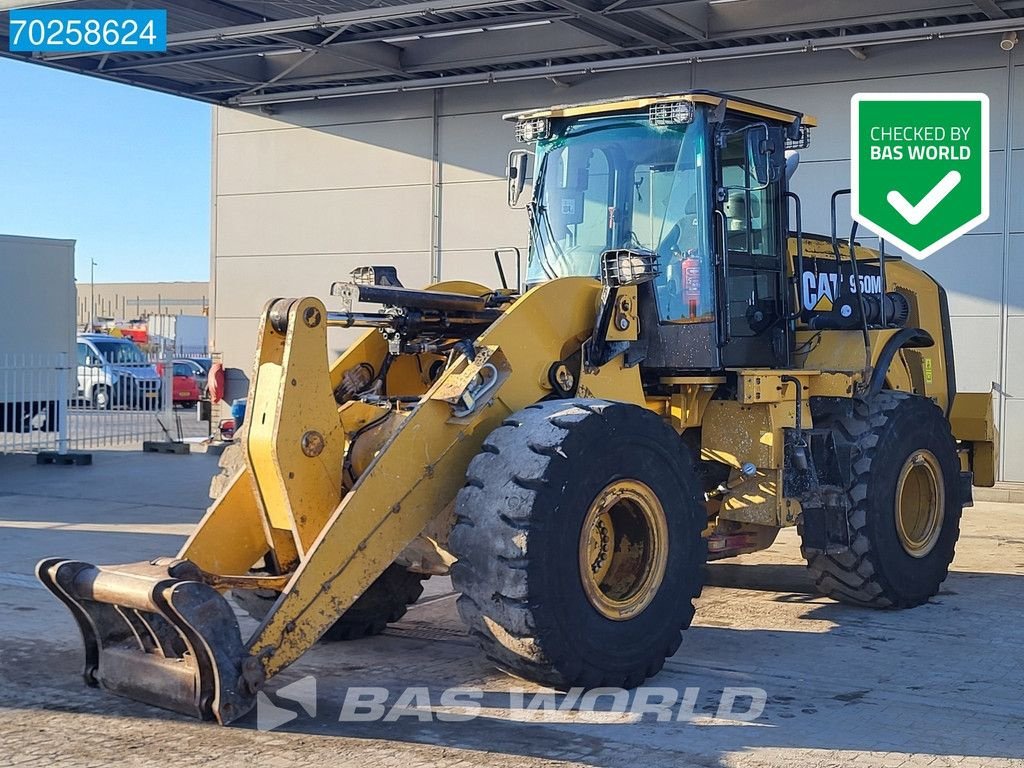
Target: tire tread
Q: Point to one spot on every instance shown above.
(855, 576)
(494, 515)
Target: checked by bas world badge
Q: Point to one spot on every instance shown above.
(919, 166)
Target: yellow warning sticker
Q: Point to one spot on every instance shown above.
(824, 304)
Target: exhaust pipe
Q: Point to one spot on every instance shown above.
(155, 632)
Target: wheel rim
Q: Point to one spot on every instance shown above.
(101, 398)
(920, 503)
(623, 549)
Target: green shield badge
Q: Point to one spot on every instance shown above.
(920, 175)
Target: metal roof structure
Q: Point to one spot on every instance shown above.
(264, 52)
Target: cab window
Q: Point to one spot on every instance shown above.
(84, 354)
(750, 213)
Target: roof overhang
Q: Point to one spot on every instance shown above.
(267, 52)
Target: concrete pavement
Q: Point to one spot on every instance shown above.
(938, 685)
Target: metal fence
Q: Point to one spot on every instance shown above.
(62, 404)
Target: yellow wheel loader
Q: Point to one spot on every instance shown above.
(684, 373)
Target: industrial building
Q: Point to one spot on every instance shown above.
(346, 134)
(132, 301)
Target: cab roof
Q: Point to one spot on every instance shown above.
(629, 103)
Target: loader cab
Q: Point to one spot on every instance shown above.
(698, 181)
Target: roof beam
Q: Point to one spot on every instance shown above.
(638, 62)
(379, 56)
(216, 73)
(589, 14)
(600, 33)
(224, 12)
(990, 9)
(306, 56)
(382, 36)
(445, 28)
(816, 25)
(238, 52)
(674, 22)
(324, 21)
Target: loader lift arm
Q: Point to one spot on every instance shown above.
(289, 505)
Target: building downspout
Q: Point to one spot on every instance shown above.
(436, 192)
(1004, 322)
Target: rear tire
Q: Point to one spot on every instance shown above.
(385, 601)
(231, 461)
(578, 537)
(905, 505)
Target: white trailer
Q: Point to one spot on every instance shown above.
(37, 331)
(185, 335)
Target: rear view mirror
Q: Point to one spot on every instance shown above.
(518, 160)
(759, 150)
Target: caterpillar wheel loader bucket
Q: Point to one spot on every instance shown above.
(155, 632)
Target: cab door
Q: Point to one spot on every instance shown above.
(750, 241)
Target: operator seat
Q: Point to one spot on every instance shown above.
(739, 218)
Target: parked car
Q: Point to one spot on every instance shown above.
(113, 371)
(185, 389)
(199, 368)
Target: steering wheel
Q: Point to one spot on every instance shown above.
(669, 245)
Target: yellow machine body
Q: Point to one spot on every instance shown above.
(334, 488)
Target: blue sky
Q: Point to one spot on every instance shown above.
(122, 170)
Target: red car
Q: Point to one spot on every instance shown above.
(184, 387)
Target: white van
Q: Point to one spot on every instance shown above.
(113, 371)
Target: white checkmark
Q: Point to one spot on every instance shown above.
(916, 213)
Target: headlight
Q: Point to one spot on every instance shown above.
(626, 267)
(801, 139)
(374, 276)
(671, 113)
(529, 131)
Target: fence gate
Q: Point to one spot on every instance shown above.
(55, 403)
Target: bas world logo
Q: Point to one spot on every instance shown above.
(270, 716)
(363, 704)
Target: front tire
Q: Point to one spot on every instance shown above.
(905, 505)
(578, 537)
(101, 399)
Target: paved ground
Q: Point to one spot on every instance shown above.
(939, 685)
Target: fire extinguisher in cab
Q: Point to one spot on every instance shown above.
(692, 277)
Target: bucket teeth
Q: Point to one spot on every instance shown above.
(156, 633)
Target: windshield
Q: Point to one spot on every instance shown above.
(120, 352)
(621, 182)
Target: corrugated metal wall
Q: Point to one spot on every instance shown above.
(305, 195)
